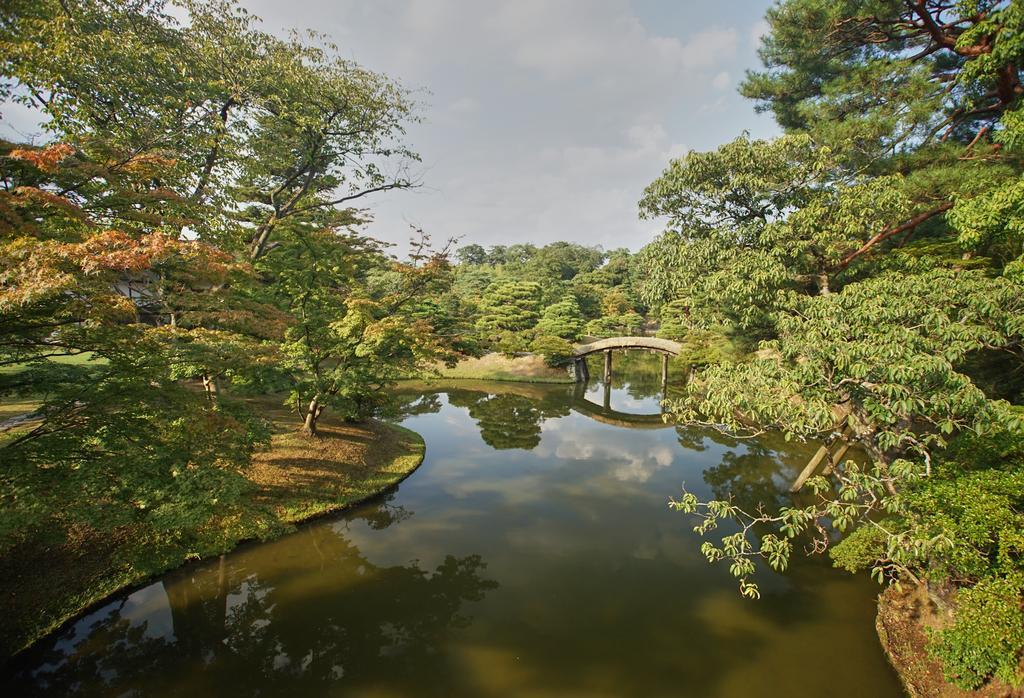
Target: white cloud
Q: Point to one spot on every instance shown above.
(709, 47)
(676, 150)
(714, 106)
(464, 105)
(757, 31)
(544, 120)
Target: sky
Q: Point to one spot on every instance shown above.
(542, 120)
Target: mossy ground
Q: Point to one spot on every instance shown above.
(43, 584)
(904, 615)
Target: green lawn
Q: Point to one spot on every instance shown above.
(498, 367)
(86, 357)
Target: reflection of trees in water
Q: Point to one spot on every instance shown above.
(692, 438)
(752, 470)
(510, 421)
(382, 513)
(409, 404)
(273, 621)
(747, 478)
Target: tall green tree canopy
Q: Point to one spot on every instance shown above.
(189, 217)
(872, 256)
(259, 129)
(510, 306)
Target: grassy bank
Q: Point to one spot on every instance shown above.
(43, 585)
(499, 367)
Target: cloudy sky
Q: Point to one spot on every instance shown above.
(544, 119)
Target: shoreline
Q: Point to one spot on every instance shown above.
(902, 620)
(495, 366)
(898, 615)
(392, 456)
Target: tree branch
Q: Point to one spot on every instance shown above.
(889, 232)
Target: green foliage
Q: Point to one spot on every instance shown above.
(987, 638)
(563, 319)
(555, 350)
(874, 252)
(472, 254)
(188, 222)
(825, 60)
(511, 343)
(514, 293)
(892, 365)
(509, 306)
(860, 550)
(361, 321)
(90, 466)
(118, 439)
(707, 347)
(675, 320)
(628, 323)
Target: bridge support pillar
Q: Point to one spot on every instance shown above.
(582, 373)
(607, 365)
(664, 370)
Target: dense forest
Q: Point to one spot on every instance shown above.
(190, 234)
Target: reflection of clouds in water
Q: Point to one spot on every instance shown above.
(580, 473)
(605, 447)
(576, 532)
(148, 606)
(549, 425)
(641, 467)
(459, 424)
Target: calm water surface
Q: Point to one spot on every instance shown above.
(532, 554)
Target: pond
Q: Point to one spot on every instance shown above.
(532, 554)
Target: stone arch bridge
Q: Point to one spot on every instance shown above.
(665, 347)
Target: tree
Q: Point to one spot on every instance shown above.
(955, 66)
(562, 261)
(472, 254)
(90, 271)
(182, 152)
(872, 252)
(509, 306)
(885, 371)
(628, 323)
(756, 217)
(359, 322)
(563, 319)
(261, 130)
(497, 255)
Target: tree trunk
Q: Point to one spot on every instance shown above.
(312, 415)
(835, 458)
(811, 466)
(212, 388)
(259, 242)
